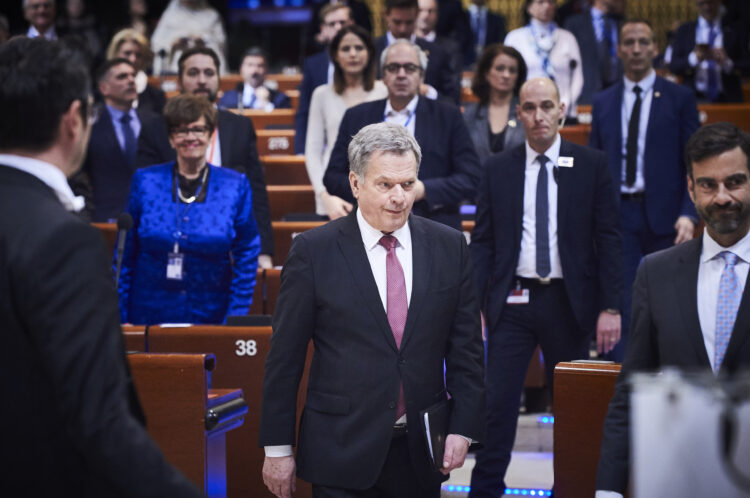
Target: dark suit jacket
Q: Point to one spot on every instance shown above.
(328, 295)
(152, 99)
(664, 332)
(477, 121)
(449, 168)
(588, 234)
(230, 98)
(443, 69)
(238, 151)
(672, 120)
(314, 74)
(75, 427)
(735, 45)
(496, 30)
(582, 26)
(104, 178)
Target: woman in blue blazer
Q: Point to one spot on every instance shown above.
(492, 122)
(192, 254)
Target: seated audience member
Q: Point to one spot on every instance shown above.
(596, 31)
(192, 253)
(183, 25)
(449, 172)
(353, 56)
(709, 53)
(453, 23)
(77, 21)
(492, 122)
(41, 16)
(360, 14)
(486, 28)
(549, 51)
(442, 78)
(131, 45)
(232, 145)
(104, 179)
(690, 310)
(318, 68)
(76, 427)
(253, 93)
(426, 23)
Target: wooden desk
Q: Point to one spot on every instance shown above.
(275, 142)
(286, 82)
(285, 170)
(241, 355)
(286, 199)
(186, 420)
(581, 399)
(739, 114)
(109, 232)
(578, 134)
(276, 119)
(135, 338)
(284, 232)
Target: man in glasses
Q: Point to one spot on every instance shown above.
(449, 172)
(232, 144)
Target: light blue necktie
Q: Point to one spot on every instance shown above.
(543, 266)
(726, 307)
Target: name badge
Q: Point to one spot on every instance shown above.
(174, 265)
(518, 296)
(565, 161)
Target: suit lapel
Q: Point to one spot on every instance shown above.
(564, 177)
(516, 179)
(354, 253)
(740, 332)
(421, 257)
(421, 127)
(685, 285)
(653, 126)
(225, 138)
(105, 134)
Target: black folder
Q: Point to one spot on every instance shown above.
(434, 423)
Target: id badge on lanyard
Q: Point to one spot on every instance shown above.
(175, 260)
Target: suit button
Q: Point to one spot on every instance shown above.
(392, 404)
(401, 361)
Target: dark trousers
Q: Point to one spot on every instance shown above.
(638, 240)
(547, 320)
(397, 479)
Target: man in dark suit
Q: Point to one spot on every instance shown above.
(450, 168)
(486, 28)
(643, 124)
(252, 93)
(318, 68)
(41, 17)
(387, 299)
(232, 144)
(425, 28)
(76, 427)
(547, 253)
(709, 53)
(690, 310)
(104, 179)
(442, 77)
(596, 30)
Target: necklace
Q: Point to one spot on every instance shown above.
(191, 199)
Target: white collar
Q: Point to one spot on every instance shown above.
(553, 153)
(711, 248)
(703, 22)
(371, 236)
(430, 37)
(48, 173)
(50, 34)
(645, 84)
(476, 9)
(389, 38)
(410, 108)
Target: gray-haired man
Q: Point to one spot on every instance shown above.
(387, 298)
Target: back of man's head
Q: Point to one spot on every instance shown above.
(39, 79)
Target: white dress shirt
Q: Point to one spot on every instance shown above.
(709, 275)
(628, 101)
(51, 175)
(405, 117)
(527, 257)
(247, 96)
(702, 36)
(50, 34)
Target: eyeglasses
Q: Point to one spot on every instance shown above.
(194, 130)
(395, 67)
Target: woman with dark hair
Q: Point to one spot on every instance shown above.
(549, 51)
(192, 253)
(492, 121)
(354, 60)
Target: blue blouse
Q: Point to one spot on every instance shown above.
(217, 237)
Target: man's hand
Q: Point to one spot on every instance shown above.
(702, 52)
(419, 193)
(685, 228)
(278, 475)
(720, 56)
(265, 262)
(335, 207)
(455, 453)
(607, 331)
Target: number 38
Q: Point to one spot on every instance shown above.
(246, 348)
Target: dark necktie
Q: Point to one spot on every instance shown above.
(395, 302)
(542, 219)
(131, 146)
(632, 146)
(713, 79)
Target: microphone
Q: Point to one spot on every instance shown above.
(124, 223)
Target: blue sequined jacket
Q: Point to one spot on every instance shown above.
(217, 237)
